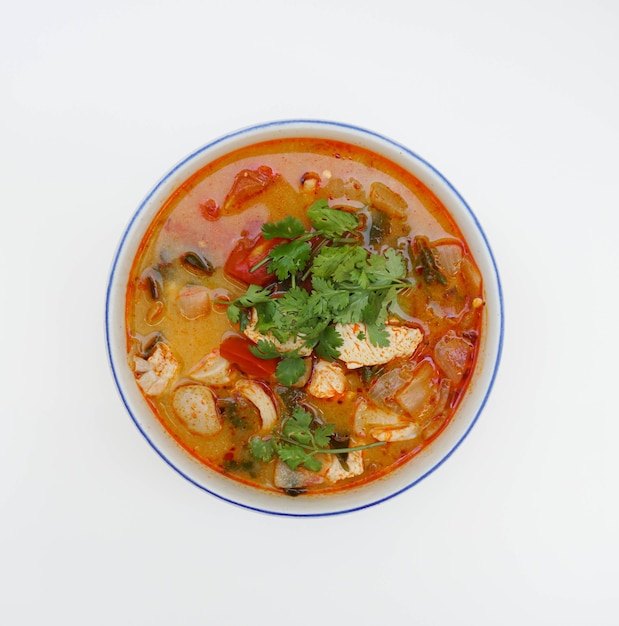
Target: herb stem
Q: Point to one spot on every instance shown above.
(315, 450)
(259, 264)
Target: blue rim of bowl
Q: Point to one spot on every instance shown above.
(326, 124)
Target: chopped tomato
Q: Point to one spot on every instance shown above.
(247, 254)
(247, 184)
(236, 349)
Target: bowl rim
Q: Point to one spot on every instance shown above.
(248, 132)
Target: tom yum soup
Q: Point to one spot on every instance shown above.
(303, 315)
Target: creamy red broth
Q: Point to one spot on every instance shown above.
(179, 288)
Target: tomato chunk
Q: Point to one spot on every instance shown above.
(236, 349)
(247, 254)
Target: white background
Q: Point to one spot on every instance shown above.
(517, 104)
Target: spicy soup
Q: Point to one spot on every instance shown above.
(303, 315)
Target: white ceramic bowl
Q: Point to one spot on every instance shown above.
(352, 499)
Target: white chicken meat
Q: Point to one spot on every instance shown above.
(154, 374)
(357, 350)
(328, 380)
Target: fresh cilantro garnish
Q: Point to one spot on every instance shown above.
(288, 228)
(254, 296)
(289, 258)
(299, 440)
(331, 222)
(340, 281)
(290, 369)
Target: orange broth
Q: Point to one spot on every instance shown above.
(215, 209)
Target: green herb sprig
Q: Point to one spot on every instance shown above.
(299, 441)
(349, 284)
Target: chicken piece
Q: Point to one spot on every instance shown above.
(336, 470)
(251, 333)
(196, 407)
(154, 374)
(382, 424)
(328, 380)
(213, 370)
(257, 395)
(355, 352)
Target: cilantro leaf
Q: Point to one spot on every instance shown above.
(328, 343)
(265, 349)
(322, 435)
(289, 258)
(289, 370)
(288, 228)
(377, 334)
(254, 295)
(262, 449)
(294, 457)
(312, 463)
(331, 222)
(298, 426)
(234, 313)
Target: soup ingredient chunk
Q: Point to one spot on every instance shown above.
(154, 374)
(195, 405)
(247, 184)
(194, 301)
(453, 354)
(358, 351)
(328, 380)
(257, 395)
(383, 424)
(213, 370)
(352, 467)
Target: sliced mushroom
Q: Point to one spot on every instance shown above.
(257, 395)
(196, 407)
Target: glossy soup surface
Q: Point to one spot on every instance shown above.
(195, 260)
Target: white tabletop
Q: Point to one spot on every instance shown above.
(517, 105)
